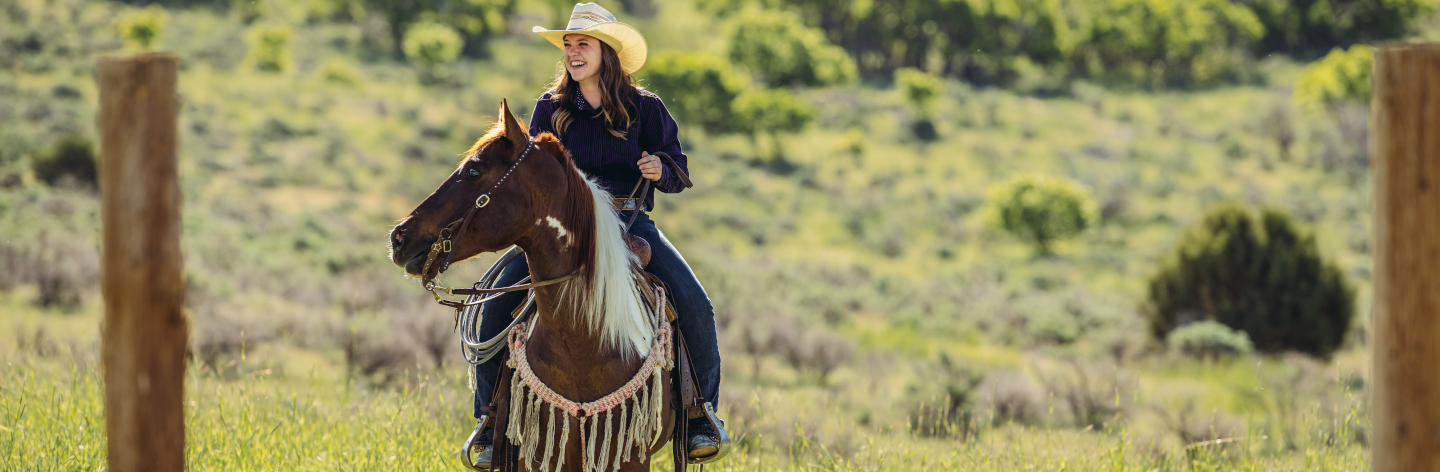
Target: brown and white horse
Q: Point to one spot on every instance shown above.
(593, 332)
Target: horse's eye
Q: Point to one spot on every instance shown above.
(472, 174)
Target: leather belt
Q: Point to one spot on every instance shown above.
(623, 204)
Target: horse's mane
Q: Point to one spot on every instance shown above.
(605, 295)
(495, 132)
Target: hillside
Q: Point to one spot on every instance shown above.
(856, 280)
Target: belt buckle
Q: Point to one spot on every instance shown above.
(628, 203)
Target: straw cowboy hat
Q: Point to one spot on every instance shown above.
(593, 20)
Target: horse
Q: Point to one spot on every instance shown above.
(595, 330)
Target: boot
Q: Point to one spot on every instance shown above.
(480, 448)
(705, 443)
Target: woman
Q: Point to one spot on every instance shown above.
(610, 126)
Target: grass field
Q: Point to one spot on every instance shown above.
(275, 407)
(870, 318)
(51, 418)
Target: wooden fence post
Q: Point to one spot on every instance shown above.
(1405, 150)
(145, 333)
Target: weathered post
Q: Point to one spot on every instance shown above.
(144, 333)
(1405, 147)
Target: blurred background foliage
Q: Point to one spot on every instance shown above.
(1041, 209)
(1341, 76)
(841, 221)
(1260, 275)
(140, 28)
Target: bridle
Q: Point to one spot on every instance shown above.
(457, 228)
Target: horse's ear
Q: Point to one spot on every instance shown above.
(513, 131)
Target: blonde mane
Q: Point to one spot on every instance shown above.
(609, 302)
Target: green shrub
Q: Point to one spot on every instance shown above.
(698, 89)
(1260, 275)
(141, 28)
(1041, 209)
(14, 144)
(72, 159)
(1055, 327)
(783, 51)
(771, 112)
(920, 89)
(1208, 339)
(1342, 75)
(338, 71)
(269, 47)
(431, 44)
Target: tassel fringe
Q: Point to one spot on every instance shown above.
(564, 439)
(605, 446)
(549, 441)
(640, 425)
(590, 448)
(623, 440)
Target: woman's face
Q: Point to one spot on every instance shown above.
(582, 57)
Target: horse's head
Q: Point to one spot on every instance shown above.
(511, 183)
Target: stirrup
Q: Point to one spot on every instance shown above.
(722, 444)
(470, 443)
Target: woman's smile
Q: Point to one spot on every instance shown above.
(582, 57)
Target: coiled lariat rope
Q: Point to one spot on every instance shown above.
(639, 426)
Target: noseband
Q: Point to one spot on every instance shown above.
(457, 228)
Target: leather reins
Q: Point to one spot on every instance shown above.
(643, 187)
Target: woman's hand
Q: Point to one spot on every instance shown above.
(649, 166)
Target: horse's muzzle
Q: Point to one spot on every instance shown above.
(411, 258)
(397, 237)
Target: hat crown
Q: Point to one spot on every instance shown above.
(586, 15)
(594, 20)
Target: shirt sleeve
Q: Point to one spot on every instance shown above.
(659, 133)
(540, 118)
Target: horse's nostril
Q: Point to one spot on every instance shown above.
(396, 239)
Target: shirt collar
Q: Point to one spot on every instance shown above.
(580, 101)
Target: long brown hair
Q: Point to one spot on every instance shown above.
(617, 90)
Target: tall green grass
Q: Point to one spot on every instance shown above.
(258, 418)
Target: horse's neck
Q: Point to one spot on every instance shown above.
(549, 259)
(570, 357)
(564, 351)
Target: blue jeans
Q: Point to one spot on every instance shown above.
(696, 315)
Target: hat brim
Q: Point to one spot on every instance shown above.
(627, 41)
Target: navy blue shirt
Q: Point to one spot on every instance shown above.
(612, 161)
